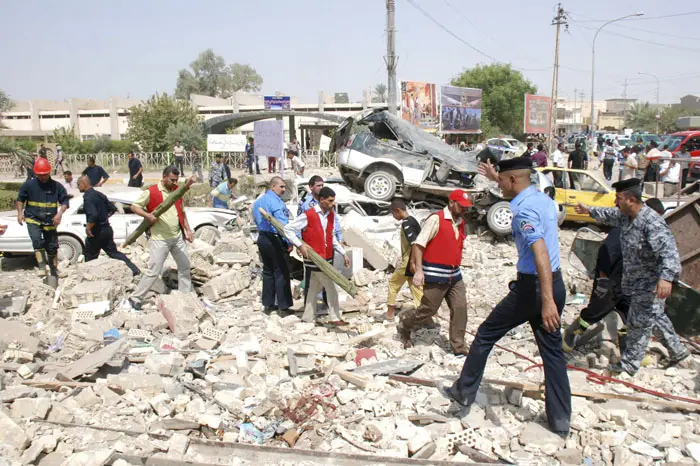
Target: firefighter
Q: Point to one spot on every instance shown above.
(41, 202)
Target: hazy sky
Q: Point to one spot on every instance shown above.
(89, 49)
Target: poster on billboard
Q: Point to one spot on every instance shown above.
(226, 142)
(269, 138)
(277, 102)
(419, 104)
(537, 114)
(460, 110)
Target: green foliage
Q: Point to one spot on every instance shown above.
(27, 144)
(641, 117)
(342, 98)
(379, 93)
(189, 134)
(5, 105)
(504, 92)
(210, 75)
(7, 199)
(69, 142)
(667, 123)
(149, 122)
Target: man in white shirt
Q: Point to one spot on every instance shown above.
(179, 154)
(298, 164)
(670, 174)
(629, 164)
(558, 161)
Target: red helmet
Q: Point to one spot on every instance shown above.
(42, 167)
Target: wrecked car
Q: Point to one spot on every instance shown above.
(384, 156)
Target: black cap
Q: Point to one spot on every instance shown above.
(627, 185)
(516, 163)
(654, 143)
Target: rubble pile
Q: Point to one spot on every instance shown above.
(85, 378)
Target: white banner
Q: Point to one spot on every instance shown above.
(325, 143)
(269, 138)
(226, 142)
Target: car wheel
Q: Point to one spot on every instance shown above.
(207, 230)
(69, 249)
(500, 218)
(380, 186)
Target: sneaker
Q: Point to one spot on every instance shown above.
(618, 369)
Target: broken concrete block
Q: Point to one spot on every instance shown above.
(646, 450)
(178, 444)
(108, 396)
(346, 396)
(538, 435)
(11, 433)
(93, 361)
(60, 414)
(15, 332)
(168, 364)
(230, 258)
(30, 408)
(182, 311)
(13, 306)
(419, 440)
(372, 433)
(87, 398)
(161, 405)
(102, 290)
(693, 449)
(372, 254)
(426, 452)
(225, 285)
(43, 444)
(152, 321)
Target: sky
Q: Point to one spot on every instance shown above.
(133, 48)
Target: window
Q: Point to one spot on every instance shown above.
(588, 183)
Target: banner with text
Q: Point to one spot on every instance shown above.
(269, 138)
(537, 114)
(460, 110)
(277, 102)
(226, 142)
(419, 104)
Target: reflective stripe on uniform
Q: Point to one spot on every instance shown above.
(45, 227)
(42, 204)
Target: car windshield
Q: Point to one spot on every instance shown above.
(513, 142)
(672, 142)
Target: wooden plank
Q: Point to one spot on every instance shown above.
(92, 361)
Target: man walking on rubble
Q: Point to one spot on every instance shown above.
(606, 295)
(100, 235)
(41, 202)
(650, 266)
(436, 255)
(167, 236)
(409, 233)
(316, 227)
(537, 296)
(274, 248)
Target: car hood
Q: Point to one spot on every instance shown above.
(409, 137)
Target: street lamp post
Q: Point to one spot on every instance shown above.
(658, 109)
(593, 63)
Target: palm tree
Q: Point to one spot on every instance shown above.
(5, 105)
(641, 117)
(380, 92)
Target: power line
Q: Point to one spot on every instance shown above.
(642, 18)
(659, 44)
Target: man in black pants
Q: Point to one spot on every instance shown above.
(135, 171)
(100, 235)
(606, 295)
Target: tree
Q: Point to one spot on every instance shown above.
(187, 133)
(5, 105)
(379, 93)
(149, 122)
(669, 116)
(210, 75)
(641, 117)
(503, 97)
(69, 142)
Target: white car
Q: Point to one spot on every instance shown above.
(71, 231)
(511, 147)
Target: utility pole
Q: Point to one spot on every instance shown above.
(558, 20)
(391, 59)
(624, 97)
(574, 111)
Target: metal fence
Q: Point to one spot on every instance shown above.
(155, 161)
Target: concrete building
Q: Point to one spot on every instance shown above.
(690, 102)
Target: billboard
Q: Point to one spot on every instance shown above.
(226, 142)
(269, 138)
(419, 104)
(277, 102)
(460, 109)
(537, 114)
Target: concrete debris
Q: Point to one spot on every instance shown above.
(211, 365)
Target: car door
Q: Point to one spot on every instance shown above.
(128, 223)
(589, 191)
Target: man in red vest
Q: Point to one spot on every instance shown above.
(167, 235)
(435, 259)
(316, 227)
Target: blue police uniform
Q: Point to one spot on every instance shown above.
(534, 218)
(277, 290)
(98, 209)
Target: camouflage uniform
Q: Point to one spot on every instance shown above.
(649, 254)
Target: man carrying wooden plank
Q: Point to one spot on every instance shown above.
(166, 236)
(316, 227)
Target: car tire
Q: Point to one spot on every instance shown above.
(500, 218)
(380, 186)
(69, 249)
(200, 231)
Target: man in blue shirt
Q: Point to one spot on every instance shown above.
(274, 248)
(97, 174)
(537, 296)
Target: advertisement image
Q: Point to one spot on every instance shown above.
(537, 116)
(419, 104)
(282, 102)
(460, 110)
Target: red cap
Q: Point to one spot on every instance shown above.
(42, 166)
(461, 197)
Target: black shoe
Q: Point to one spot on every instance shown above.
(448, 392)
(618, 369)
(285, 312)
(135, 305)
(679, 358)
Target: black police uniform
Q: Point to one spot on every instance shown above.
(96, 174)
(41, 203)
(98, 209)
(134, 166)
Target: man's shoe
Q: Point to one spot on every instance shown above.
(460, 352)
(404, 336)
(570, 335)
(618, 369)
(679, 358)
(135, 305)
(449, 393)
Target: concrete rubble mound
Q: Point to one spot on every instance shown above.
(86, 380)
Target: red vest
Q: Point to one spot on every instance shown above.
(313, 234)
(156, 198)
(445, 249)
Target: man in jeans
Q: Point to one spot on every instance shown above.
(166, 235)
(179, 153)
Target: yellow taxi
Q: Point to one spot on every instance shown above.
(574, 186)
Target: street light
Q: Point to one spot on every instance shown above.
(658, 109)
(593, 62)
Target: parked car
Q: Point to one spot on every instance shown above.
(691, 139)
(588, 188)
(510, 147)
(571, 141)
(71, 231)
(646, 138)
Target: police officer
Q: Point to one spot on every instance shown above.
(41, 201)
(537, 297)
(274, 248)
(650, 266)
(100, 235)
